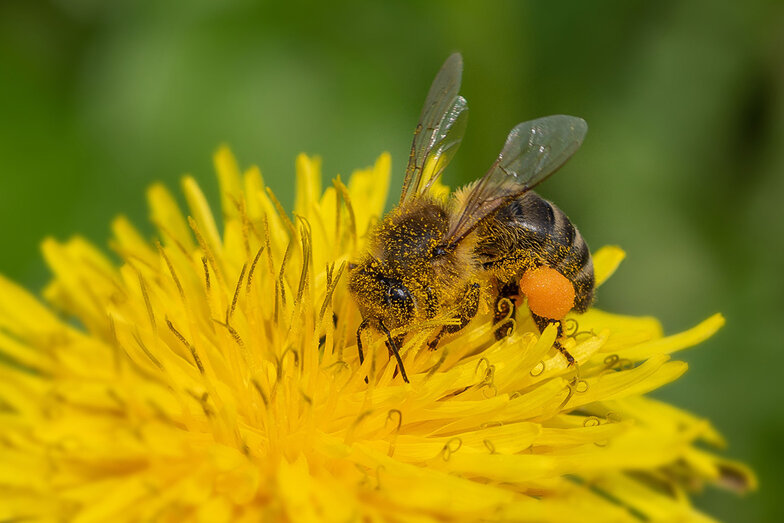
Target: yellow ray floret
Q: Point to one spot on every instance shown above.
(212, 375)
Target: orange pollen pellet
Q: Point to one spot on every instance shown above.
(550, 294)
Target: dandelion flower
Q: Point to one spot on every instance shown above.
(213, 376)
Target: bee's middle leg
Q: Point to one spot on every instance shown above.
(504, 309)
(468, 309)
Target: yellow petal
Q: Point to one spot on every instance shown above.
(368, 188)
(308, 184)
(605, 261)
(228, 181)
(166, 215)
(202, 215)
(676, 342)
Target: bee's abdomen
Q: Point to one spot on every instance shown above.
(531, 232)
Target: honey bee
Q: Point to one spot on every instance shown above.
(494, 239)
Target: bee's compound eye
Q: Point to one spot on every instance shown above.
(398, 295)
(438, 251)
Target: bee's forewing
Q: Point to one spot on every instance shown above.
(440, 130)
(533, 151)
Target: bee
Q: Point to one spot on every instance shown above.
(494, 239)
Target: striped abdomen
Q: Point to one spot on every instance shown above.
(532, 232)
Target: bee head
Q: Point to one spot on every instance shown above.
(381, 294)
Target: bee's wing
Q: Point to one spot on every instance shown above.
(533, 150)
(439, 131)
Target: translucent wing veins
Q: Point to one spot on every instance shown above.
(439, 132)
(533, 151)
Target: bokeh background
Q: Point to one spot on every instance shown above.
(683, 165)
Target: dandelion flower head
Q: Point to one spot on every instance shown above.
(211, 374)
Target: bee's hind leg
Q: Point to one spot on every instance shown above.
(542, 324)
(468, 309)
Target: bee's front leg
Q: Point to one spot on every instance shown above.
(468, 309)
(392, 344)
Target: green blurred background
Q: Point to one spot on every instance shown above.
(682, 166)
